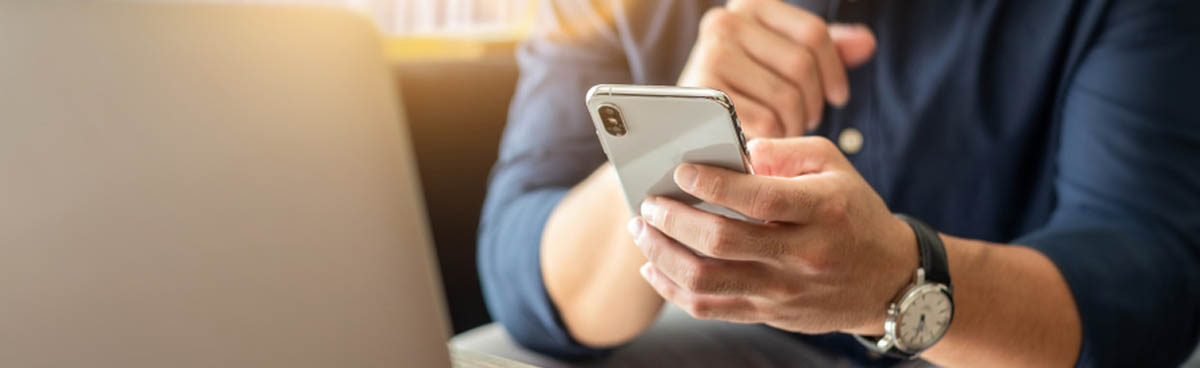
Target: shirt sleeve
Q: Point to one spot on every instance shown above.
(548, 146)
(1126, 230)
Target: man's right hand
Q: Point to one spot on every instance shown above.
(778, 63)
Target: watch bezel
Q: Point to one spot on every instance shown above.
(895, 313)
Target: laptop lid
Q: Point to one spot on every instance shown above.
(200, 185)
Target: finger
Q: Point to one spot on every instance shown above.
(766, 198)
(814, 102)
(794, 156)
(757, 120)
(795, 64)
(694, 273)
(712, 59)
(855, 43)
(747, 77)
(752, 250)
(712, 235)
(699, 306)
(806, 29)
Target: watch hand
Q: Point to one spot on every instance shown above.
(921, 325)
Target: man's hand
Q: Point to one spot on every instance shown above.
(829, 257)
(777, 62)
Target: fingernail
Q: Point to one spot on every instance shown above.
(645, 271)
(839, 30)
(840, 95)
(685, 176)
(650, 211)
(634, 226)
(860, 27)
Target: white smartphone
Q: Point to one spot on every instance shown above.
(647, 131)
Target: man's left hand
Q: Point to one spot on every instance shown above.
(830, 256)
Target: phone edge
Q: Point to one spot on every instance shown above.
(713, 94)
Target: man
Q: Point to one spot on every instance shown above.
(1053, 146)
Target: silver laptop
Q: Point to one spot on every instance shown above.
(192, 185)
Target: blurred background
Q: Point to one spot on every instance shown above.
(453, 61)
(469, 18)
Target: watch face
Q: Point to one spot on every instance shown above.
(925, 315)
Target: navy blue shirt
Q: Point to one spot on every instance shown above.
(1072, 127)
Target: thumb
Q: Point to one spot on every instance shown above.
(789, 157)
(855, 43)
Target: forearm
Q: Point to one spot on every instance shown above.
(1012, 308)
(590, 265)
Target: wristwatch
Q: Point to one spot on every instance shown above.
(921, 314)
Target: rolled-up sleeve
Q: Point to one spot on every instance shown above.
(548, 146)
(1126, 230)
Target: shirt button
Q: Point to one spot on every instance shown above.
(850, 141)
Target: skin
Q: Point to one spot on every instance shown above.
(829, 258)
(778, 63)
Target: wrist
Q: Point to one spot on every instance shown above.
(894, 277)
(906, 259)
(920, 315)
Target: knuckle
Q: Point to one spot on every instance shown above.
(688, 276)
(721, 238)
(786, 290)
(808, 200)
(768, 201)
(770, 246)
(798, 63)
(700, 309)
(652, 251)
(833, 208)
(819, 261)
(794, 255)
(713, 185)
(706, 279)
(813, 33)
(819, 264)
(813, 36)
(718, 21)
(691, 283)
(699, 278)
(666, 216)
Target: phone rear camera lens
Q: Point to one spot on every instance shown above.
(614, 124)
